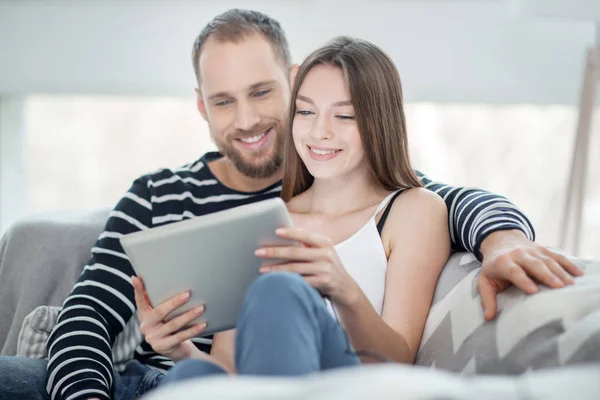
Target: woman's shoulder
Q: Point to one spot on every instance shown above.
(418, 203)
(421, 197)
(416, 214)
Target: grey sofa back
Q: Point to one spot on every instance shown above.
(41, 257)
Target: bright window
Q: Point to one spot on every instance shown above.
(83, 152)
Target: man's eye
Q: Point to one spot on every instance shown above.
(304, 112)
(223, 103)
(262, 93)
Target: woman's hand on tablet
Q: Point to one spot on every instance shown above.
(316, 260)
(167, 338)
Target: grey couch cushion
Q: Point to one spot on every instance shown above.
(40, 259)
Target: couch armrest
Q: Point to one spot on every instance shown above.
(41, 257)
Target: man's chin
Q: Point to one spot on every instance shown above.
(258, 169)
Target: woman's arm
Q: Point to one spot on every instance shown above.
(417, 235)
(223, 349)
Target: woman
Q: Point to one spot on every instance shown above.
(374, 241)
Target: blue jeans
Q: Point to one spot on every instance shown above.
(284, 329)
(25, 378)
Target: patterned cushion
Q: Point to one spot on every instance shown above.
(38, 325)
(552, 328)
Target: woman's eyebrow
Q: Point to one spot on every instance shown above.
(336, 104)
(343, 103)
(306, 99)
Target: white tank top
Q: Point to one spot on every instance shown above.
(363, 256)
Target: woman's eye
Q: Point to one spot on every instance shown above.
(347, 117)
(304, 112)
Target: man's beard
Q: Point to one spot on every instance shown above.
(256, 170)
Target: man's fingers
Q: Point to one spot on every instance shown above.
(540, 271)
(141, 301)
(518, 277)
(557, 270)
(487, 291)
(179, 322)
(166, 344)
(567, 264)
(168, 306)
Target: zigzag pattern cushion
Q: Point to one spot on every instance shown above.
(551, 328)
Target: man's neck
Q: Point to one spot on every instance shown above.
(229, 176)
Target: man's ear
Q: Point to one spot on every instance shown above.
(293, 71)
(200, 104)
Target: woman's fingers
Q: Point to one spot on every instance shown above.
(295, 253)
(298, 268)
(307, 238)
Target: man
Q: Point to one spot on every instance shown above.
(243, 68)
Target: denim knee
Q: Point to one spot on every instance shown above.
(278, 286)
(22, 378)
(190, 369)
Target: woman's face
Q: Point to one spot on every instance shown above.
(325, 131)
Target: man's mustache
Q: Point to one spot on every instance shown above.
(259, 130)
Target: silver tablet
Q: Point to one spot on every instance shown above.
(212, 256)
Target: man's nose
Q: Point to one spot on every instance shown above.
(246, 116)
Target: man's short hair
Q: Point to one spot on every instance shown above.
(235, 25)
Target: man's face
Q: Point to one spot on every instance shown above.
(244, 94)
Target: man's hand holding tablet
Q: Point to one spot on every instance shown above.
(168, 338)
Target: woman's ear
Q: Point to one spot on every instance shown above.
(293, 71)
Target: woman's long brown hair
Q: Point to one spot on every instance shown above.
(376, 95)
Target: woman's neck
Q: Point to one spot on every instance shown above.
(343, 195)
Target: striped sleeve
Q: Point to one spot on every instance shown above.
(99, 306)
(473, 214)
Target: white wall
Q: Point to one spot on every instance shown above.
(465, 51)
(13, 169)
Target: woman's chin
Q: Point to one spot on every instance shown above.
(324, 175)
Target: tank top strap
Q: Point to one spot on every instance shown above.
(387, 203)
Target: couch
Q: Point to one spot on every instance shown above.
(534, 341)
